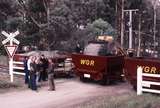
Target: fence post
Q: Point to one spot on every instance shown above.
(139, 80)
(11, 69)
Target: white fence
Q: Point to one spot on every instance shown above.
(18, 68)
(141, 83)
(15, 67)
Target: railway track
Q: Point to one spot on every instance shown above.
(4, 69)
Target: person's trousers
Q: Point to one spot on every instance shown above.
(51, 82)
(26, 76)
(44, 74)
(33, 84)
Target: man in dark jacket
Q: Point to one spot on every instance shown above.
(44, 65)
(26, 71)
(33, 74)
(78, 48)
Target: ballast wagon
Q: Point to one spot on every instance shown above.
(99, 62)
(149, 66)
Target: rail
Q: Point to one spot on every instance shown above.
(18, 68)
(65, 67)
(4, 68)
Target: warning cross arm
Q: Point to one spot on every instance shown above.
(16, 33)
(16, 41)
(5, 41)
(5, 34)
(10, 37)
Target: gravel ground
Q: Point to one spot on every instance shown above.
(69, 93)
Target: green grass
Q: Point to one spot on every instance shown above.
(6, 84)
(123, 101)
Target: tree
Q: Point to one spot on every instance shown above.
(68, 16)
(10, 20)
(47, 23)
(101, 27)
(90, 33)
(36, 20)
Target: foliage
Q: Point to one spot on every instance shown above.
(9, 17)
(36, 6)
(67, 15)
(64, 19)
(101, 27)
(49, 23)
(89, 33)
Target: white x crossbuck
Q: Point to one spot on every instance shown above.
(10, 37)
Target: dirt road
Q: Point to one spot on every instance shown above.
(68, 93)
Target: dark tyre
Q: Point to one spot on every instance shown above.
(82, 79)
(105, 81)
(135, 87)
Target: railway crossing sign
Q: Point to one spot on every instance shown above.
(11, 49)
(10, 37)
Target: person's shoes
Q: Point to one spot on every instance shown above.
(51, 89)
(35, 90)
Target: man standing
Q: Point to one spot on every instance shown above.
(29, 68)
(51, 75)
(43, 74)
(78, 48)
(33, 84)
(26, 71)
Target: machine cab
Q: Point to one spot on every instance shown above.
(100, 48)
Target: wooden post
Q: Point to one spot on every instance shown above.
(11, 64)
(139, 37)
(139, 80)
(122, 25)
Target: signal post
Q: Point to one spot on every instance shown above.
(10, 48)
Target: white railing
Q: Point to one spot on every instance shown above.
(18, 68)
(141, 83)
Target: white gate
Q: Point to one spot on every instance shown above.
(18, 68)
(141, 83)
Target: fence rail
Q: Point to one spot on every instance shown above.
(18, 68)
(17, 62)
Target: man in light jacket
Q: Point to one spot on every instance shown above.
(29, 68)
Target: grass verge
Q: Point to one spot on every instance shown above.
(6, 85)
(130, 100)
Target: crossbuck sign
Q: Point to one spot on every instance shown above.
(10, 37)
(10, 48)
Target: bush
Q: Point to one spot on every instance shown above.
(2, 51)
